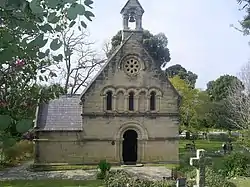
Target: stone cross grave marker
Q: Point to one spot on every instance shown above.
(200, 162)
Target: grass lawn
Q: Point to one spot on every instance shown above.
(61, 168)
(241, 182)
(51, 183)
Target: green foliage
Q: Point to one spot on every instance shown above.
(193, 107)
(5, 122)
(122, 178)
(36, 17)
(213, 179)
(25, 28)
(156, 45)
(20, 151)
(245, 23)
(236, 164)
(219, 89)
(178, 70)
(104, 166)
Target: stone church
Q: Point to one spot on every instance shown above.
(128, 114)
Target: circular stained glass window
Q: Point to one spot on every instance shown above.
(131, 66)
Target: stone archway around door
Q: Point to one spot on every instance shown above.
(130, 147)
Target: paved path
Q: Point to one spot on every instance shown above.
(21, 173)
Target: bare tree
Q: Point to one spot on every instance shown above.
(107, 47)
(238, 102)
(80, 61)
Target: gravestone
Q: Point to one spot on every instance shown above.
(181, 182)
(200, 162)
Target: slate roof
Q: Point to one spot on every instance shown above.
(62, 114)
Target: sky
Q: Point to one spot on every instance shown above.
(199, 33)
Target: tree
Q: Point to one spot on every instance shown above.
(218, 116)
(25, 28)
(245, 23)
(188, 76)
(26, 25)
(79, 60)
(193, 105)
(156, 45)
(219, 89)
(238, 103)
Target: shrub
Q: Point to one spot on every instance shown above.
(121, 178)
(20, 151)
(104, 167)
(218, 137)
(213, 179)
(235, 164)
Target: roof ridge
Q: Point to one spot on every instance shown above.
(105, 65)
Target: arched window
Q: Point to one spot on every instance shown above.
(109, 100)
(152, 101)
(131, 101)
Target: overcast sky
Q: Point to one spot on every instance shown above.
(200, 38)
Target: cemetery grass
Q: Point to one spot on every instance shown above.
(241, 182)
(52, 183)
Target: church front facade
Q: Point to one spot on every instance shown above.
(128, 114)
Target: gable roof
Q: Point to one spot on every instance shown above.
(59, 114)
(104, 66)
(161, 73)
(132, 3)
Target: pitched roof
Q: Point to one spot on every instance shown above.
(161, 73)
(60, 114)
(132, 3)
(104, 66)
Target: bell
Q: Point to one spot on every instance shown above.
(132, 19)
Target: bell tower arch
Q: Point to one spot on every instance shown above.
(132, 12)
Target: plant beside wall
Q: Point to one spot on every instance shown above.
(104, 167)
(122, 178)
(21, 151)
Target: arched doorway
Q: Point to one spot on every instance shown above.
(129, 147)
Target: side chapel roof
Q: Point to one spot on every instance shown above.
(62, 114)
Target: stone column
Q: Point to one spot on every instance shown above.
(104, 102)
(120, 150)
(148, 103)
(125, 22)
(139, 22)
(139, 150)
(117, 149)
(136, 103)
(125, 103)
(114, 103)
(158, 103)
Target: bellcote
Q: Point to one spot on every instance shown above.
(132, 12)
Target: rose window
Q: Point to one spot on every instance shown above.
(131, 66)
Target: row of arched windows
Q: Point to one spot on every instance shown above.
(131, 101)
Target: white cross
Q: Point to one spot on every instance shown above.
(200, 162)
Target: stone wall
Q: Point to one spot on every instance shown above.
(102, 130)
